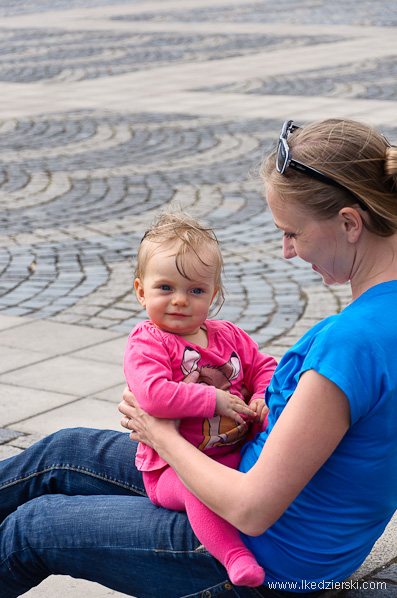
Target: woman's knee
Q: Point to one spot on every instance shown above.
(69, 445)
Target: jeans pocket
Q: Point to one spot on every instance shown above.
(226, 590)
(221, 590)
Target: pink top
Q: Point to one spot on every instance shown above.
(155, 364)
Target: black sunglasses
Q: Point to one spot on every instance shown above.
(284, 160)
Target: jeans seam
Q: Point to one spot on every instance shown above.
(192, 551)
(95, 547)
(78, 470)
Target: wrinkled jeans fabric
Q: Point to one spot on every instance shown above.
(74, 504)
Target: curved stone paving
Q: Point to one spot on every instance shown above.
(78, 188)
(337, 12)
(10, 7)
(118, 167)
(71, 209)
(33, 55)
(364, 80)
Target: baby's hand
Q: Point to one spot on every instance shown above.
(260, 408)
(232, 406)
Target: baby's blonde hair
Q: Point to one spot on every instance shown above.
(190, 236)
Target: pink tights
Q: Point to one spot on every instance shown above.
(218, 536)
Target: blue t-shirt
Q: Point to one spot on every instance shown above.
(331, 526)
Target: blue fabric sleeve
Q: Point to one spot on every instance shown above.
(354, 362)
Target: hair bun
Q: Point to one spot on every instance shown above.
(391, 161)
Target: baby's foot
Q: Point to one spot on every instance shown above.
(243, 570)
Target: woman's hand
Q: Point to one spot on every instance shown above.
(142, 426)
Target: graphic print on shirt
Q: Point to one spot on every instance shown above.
(218, 430)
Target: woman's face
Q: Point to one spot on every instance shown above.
(321, 243)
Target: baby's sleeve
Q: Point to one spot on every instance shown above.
(149, 375)
(258, 367)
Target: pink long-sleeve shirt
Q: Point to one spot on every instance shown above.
(155, 364)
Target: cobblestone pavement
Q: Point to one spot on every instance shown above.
(110, 111)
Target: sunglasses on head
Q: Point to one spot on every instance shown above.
(284, 161)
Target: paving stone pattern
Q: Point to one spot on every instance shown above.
(382, 583)
(337, 12)
(362, 80)
(381, 13)
(89, 176)
(82, 175)
(10, 7)
(50, 55)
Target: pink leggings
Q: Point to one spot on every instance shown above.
(218, 536)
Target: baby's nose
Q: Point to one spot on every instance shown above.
(180, 298)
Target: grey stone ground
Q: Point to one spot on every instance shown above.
(111, 110)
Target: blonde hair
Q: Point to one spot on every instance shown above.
(354, 155)
(190, 236)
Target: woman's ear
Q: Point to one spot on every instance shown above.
(352, 223)
(140, 294)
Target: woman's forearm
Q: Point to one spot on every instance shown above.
(219, 487)
(253, 501)
(299, 444)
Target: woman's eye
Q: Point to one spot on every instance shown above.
(289, 235)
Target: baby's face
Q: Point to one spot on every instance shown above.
(174, 303)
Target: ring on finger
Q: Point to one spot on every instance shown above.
(127, 422)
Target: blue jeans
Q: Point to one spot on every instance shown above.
(74, 504)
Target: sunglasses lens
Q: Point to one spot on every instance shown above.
(281, 159)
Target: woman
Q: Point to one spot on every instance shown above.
(315, 490)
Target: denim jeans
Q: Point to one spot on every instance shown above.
(74, 504)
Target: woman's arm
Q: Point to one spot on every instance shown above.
(311, 426)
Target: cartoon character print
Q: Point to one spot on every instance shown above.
(218, 430)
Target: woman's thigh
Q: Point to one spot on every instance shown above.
(70, 462)
(75, 504)
(122, 542)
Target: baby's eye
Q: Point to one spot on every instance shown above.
(165, 287)
(197, 291)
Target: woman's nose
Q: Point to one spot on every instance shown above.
(288, 248)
